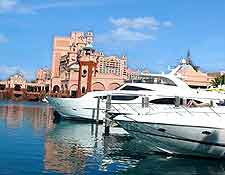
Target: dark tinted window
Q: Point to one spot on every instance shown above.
(120, 97)
(123, 97)
(101, 97)
(134, 88)
(221, 103)
(163, 101)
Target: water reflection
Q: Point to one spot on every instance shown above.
(15, 113)
(163, 165)
(68, 146)
(77, 148)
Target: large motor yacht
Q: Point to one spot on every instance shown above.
(84, 108)
(194, 129)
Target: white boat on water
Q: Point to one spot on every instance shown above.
(195, 131)
(84, 108)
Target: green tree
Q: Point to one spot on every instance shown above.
(218, 81)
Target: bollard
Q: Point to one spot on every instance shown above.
(107, 116)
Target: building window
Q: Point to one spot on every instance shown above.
(2, 87)
(73, 93)
(84, 73)
(83, 90)
(17, 87)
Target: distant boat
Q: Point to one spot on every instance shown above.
(44, 100)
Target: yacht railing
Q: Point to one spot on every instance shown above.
(152, 109)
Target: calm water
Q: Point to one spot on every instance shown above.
(32, 144)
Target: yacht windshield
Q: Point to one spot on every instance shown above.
(135, 88)
(154, 80)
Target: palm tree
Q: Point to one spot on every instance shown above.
(218, 81)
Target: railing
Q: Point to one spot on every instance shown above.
(145, 108)
(154, 109)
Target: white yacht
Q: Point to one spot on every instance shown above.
(84, 108)
(196, 129)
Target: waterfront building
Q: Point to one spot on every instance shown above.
(77, 68)
(43, 75)
(192, 74)
(18, 88)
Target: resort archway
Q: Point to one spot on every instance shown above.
(113, 86)
(17, 87)
(98, 87)
(73, 90)
(56, 89)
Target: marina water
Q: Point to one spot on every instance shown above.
(33, 143)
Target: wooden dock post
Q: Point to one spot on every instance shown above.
(107, 115)
(143, 102)
(98, 108)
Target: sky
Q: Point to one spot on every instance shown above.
(154, 34)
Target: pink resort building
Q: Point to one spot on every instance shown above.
(192, 74)
(18, 88)
(77, 68)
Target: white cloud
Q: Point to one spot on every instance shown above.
(121, 34)
(3, 39)
(6, 71)
(128, 35)
(19, 7)
(6, 5)
(133, 29)
(167, 24)
(136, 23)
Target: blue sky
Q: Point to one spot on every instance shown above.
(152, 33)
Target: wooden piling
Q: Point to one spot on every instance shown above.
(143, 102)
(107, 115)
(98, 108)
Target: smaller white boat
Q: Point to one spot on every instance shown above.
(44, 100)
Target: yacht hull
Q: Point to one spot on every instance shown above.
(178, 139)
(75, 109)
